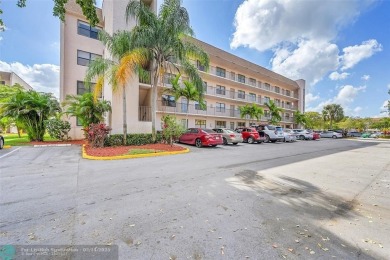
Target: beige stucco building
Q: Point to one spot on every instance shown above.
(11, 78)
(229, 83)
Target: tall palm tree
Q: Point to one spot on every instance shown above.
(188, 91)
(31, 108)
(118, 46)
(300, 118)
(86, 109)
(332, 113)
(252, 111)
(274, 112)
(164, 39)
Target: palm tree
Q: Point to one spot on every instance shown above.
(118, 46)
(189, 92)
(300, 118)
(164, 40)
(332, 113)
(31, 108)
(274, 112)
(86, 109)
(251, 111)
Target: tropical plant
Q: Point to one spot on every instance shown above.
(86, 109)
(118, 45)
(31, 108)
(171, 129)
(274, 112)
(188, 91)
(163, 38)
(251, 111)
(332, 113)
(300, 118)
(58, 129)
(97, 134)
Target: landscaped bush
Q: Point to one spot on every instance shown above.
(58, 129)
(171, 129)
(131, 139)
(97, 134)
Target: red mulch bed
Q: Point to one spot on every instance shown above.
(121, 150)
(76, 142)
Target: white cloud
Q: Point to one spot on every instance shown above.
(354, 54)
(311, 60)
(42, 77)
(338, 76)
(1, 38)
(366, 77)
(309, 98)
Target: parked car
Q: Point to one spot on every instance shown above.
(250, 135)
(376, 135)
(354, 134)
(331, 134)
(201, 137)
(289, 135)
(1, 142)
(303, 134)
(229, 136)
(271, 133)
(316, 135)
(366, 135)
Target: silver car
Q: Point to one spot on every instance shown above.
(289, 135)
(330, 134)
(229, 136)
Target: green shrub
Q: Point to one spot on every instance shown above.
(171, 129)
(58, 129)
(131, 139)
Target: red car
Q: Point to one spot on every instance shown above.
(316, 136)
(201, 137)
(250, 135)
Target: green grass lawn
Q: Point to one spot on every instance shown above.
(14, 140)
(142, 151)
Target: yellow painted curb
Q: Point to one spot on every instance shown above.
(6, 146)
(120, 157)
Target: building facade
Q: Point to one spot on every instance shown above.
(229, 83)
(11, 78)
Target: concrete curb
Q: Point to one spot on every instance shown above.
(50, 145)
(120, 157)
(6, 146)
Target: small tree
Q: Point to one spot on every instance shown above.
(252, 111)
(333, 113)
(274, 112)
(97, 134)
(300, 118)
(171, 129)
(58, 129)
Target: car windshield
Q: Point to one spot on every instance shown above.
(209, 131)
(229, 131)
(278, 128)
(271, 127)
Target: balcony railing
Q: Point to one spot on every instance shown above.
(144, 114)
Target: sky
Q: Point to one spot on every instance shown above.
(341, 48)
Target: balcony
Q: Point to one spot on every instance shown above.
(144, 114)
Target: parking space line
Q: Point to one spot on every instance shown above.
(10, 152)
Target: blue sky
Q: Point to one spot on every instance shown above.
(341, 48)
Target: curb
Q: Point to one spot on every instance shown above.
(7, 146)
(120, 157)
(50, 145)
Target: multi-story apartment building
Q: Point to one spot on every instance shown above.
(229, 83)
(11, 78)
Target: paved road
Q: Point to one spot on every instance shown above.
(310, 199)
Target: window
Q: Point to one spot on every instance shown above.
(200, 66)
(266, 100)
(168, 77)
(267, 86)
(199, 107)
(81, 88)
(252, 97)
(85, 29)
(240, 124)
(184, 123)
(220, 90)
(220, 107)
(277, 102)
(241, 78)
(288, 93)
(241, 94)
(252, 82)
(232, 125)
(84, 58)
(168, 101)
(205, 86)
(220, 124)
(277, 89)
(200, 123)
(221, 72)
(2, 82)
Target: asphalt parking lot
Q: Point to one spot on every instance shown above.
(309, 199)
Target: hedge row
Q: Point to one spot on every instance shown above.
(132, 139)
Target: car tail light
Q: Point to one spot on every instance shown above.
(232, 135)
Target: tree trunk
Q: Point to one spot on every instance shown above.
(154, 105)
(188, 111)
(124, 116)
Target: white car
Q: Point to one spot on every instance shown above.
(271, 133)
(331, 134)
(289, 135)
(303, 134)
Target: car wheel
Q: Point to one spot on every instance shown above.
(266, 138)
(225, 142)
(235, 143)
(284, 139)
(198, 143)
(301, 137)
(334, 137)
(273, 141)
(251, 140)
(1, 143)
